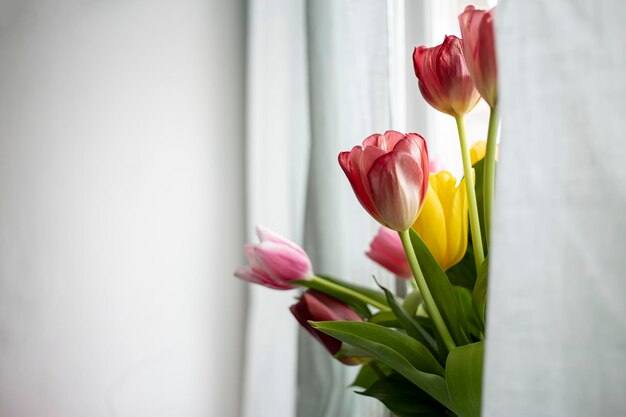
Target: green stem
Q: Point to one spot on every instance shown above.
(490, 170)
(429, 302)
(322, 283)
(477, 241)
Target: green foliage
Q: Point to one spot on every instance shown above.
(411, 302)
(474, 324)
(441, 290)
(404, 399)
(463, 274)
(411, 327)
(478, 187)
(370, 373)
(400, 352)
(385, 318)
(479, 295)
(369, 292)
(464, 370)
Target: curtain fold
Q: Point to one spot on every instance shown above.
(557, 316)
(349, 100)
(276, 162)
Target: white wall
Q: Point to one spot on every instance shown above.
(121, 202)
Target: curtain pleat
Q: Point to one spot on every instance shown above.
(557, 311)
(349, 100)
(276, 162)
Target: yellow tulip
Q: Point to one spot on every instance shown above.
(442, 223)
(477, 152)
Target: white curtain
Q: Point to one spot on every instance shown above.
(322, 76)
(119, 123)
(557, 313)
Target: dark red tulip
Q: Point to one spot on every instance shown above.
(317, 306)
(444, 79)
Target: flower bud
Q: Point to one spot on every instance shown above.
(386, 250)
(389, 176)
(317, 306)
(444, 79)
(274, 262)
(480, 51)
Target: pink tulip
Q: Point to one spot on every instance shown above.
(480, 51)
(389, 175)
(317, 306)
(274, 262)
(444, 79)
(386, 250)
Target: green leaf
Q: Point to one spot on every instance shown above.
(478, 187)
(474, 325)
(479, 296)
(463, 274)
(464, 370)
(367, 375)
(385, 318)
(404, 399)
(370, 292)
(441, 290)
(412, 302)
(348, 351)
(411, 327)
(400, 352)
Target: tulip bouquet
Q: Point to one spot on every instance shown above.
(421, 355)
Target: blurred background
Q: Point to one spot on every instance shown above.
(141, 141)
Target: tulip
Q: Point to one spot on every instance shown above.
(317, 306)
(442, 223)
(387, 251)
(477, 151)
(444, 79)
(389, 176)
(480, 51)
(275, 262)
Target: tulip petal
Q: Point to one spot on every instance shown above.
(444, 79)
(442, 224)
(301, 312)
(281, 262)
(326, 308)
(395, 179)
(372, 140)
(456, 225)
(386, 249)
(352, 165)
(447, 191)
(266, 234)
(258, 277)
(431, 225)
(477, 151)
(314, 305)
(369, 155)
(429, 85)
(479, 48)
